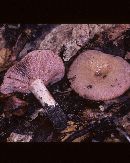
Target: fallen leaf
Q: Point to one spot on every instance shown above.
(71, 127)
(6, 58)
(14, 137)
(15, 106)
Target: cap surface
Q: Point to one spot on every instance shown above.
(98, 76)
(38, 64)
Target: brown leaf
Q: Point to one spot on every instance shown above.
(6, 58)
(68, 131)
(15, 106)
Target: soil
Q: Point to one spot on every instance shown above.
(88, 121)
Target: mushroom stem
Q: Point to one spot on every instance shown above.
(52, 108)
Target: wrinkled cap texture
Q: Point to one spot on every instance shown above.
(98, 76)
(38, 64)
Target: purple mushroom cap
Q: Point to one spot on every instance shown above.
(98, 76)
(38, 64)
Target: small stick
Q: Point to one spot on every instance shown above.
(123, 134)
(51, 107)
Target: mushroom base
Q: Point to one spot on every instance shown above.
(52, 109)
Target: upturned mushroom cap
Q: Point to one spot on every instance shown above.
(38, 64)
(98, 76)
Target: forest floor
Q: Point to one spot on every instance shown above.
(88, 121)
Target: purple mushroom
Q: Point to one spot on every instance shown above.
(32, 74)
(98, 76)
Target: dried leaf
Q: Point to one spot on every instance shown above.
(6, 58)
(80, 139)
(15, 106)
(71, 127)
(14, 137)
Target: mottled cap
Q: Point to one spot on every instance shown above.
(98, 76)
(38, 64)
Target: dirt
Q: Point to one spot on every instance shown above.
(88, 121)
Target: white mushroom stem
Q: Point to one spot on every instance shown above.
(41, 93)
(52, 109)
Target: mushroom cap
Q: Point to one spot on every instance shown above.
(38, 64)
(98, 76)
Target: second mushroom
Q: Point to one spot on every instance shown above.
(32, 74)
(98, 76)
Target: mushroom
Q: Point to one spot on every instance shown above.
(32, 74)
(98, 76)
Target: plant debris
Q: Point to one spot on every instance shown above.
(7, 58)
(15, 106)
(22, 118)
(14, 137)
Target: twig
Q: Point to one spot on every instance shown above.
(123, 134)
